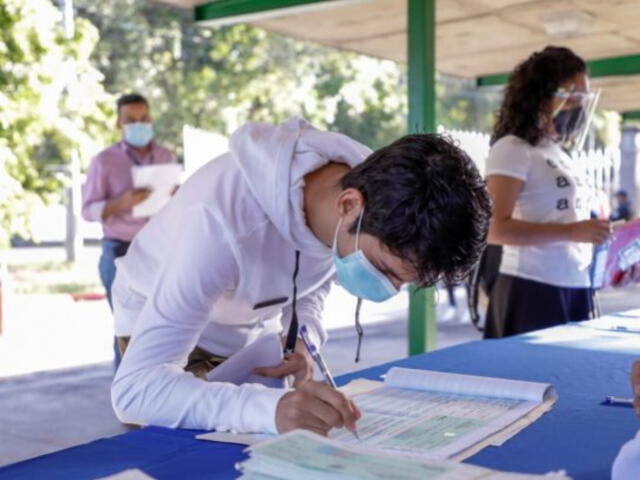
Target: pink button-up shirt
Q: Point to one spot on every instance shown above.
(110, 176)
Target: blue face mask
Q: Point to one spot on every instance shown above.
(138, 134)
(358, 276)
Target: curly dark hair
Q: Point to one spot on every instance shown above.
(530, 86)
(427, 202)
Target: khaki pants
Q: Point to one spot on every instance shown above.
(200, 361)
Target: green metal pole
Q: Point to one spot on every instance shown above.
(422, 119)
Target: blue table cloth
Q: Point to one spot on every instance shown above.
(579, 435)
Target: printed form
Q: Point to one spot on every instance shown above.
(302, 454)
(443, 415)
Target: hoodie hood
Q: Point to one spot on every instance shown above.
(274, 161)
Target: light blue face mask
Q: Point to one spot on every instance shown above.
(138, 134)
(358, 276)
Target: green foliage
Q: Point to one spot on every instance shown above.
(461, 106)
(53, 100)
(51, 103)
(217, 79)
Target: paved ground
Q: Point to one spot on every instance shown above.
(69, 344)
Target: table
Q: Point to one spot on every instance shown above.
(579, 434)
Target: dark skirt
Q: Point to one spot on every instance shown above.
(518, 305)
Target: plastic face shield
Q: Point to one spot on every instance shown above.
(572, 117)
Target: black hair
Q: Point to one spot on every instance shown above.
(532, 84)
(427, 203)
(129, 99)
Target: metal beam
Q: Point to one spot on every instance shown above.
(224, 12)
(631, 116)
(422, 118)
(491, 80)
(604, 67)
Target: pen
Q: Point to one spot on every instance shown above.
(618, 401)
(322, 365)
(622, 328)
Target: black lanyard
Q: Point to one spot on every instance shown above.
(292, 334)
(134, 158)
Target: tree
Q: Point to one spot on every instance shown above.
(51, 103)
(220, 78)
(53, 96)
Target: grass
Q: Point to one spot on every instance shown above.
(54, 278)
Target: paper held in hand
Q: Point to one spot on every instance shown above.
(161, 180)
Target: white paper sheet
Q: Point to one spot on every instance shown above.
(236, 438)
(415, 413)
(238, 369)
(455, 383)
(130, 474)
(442, 415)
(266, 351)
(301, 454)
(161, 180)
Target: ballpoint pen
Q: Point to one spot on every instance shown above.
(322, 365)
(618, 401)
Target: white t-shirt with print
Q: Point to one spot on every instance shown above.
(555, 190)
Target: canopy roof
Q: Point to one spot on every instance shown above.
(482, 39)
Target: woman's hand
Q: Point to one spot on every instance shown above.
(594, 231)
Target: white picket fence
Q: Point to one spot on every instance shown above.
(602, 165)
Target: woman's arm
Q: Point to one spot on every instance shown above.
(505, 230)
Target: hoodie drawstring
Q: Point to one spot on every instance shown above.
(292, 334)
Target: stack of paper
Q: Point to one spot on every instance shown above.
(430, 414)
(445, 415)
(302, 454)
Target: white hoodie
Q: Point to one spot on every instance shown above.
(225, 243)
(627, 464)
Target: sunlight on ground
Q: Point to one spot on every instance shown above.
(46, 330)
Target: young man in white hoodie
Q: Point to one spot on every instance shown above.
(254, 239)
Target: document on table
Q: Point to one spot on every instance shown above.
(444, 415)
(131, 474)
(266, 351)
(302, 454)
(161, 180)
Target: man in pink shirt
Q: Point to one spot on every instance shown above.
(109, 196)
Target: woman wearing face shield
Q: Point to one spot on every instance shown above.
(541, 197)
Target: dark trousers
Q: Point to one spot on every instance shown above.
(111, 249)
(518, 305)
